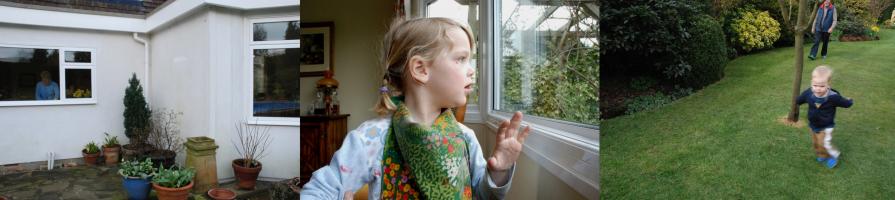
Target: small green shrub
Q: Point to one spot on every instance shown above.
(642, 83)
(673, 40)
(857, 8)
(174, 177)
(703, 54)
(91, 148)
(136, 112)
(851, 25)
(753, 30)
(680, 92)
(135, 168)
(648, 102)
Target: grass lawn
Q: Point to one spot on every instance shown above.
(726, 141)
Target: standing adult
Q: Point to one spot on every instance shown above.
(824, 23)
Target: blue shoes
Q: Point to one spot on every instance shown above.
(831, 162)
(811, 57)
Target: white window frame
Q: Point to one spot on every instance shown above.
(248, 73)
(63, 100)
(549, 139)
(424, 7)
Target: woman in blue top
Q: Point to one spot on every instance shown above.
(823, 25)
(46, 89)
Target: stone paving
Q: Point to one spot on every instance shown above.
(69, 183)
(90, 182)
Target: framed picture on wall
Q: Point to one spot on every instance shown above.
(316, 43)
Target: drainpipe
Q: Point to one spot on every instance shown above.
(145, 65)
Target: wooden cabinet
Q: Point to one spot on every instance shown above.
(321, 136)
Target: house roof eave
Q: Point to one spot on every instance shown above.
(165, 14)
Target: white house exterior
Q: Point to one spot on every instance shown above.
(192, 56)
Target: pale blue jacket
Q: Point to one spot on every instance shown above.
(359, 162)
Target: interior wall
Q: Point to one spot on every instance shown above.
(359, 29)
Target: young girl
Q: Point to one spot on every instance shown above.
(416, 149)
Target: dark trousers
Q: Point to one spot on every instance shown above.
(820, 36)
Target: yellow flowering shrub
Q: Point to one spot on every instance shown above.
(754, 30)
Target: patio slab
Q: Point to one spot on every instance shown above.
(92, 182)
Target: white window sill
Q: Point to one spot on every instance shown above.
(473, 115)
(48, 102)
(571, 156)
(269, 121)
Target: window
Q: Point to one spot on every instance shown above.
(541, 58)
(547, 61)
(77, 57)
(467, 14)
(275, 31)
(274, 50)
(35, 76)
(77, 83)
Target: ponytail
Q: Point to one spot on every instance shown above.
(384, 105)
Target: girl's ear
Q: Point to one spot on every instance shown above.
(419, 69)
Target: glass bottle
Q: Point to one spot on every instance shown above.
(319, 107)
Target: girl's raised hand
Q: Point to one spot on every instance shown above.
(507, 148)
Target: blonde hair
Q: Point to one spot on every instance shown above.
(823, 72)
(424, 37)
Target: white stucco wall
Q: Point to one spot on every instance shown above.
(179, 72)
(198, 66)
(27, 133)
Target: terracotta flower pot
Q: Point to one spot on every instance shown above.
(247, 176)
(135, 151)
(221, 194)
(111, 154)
(90, 159)
(165, 193)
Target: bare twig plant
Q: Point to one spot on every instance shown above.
(165, 131)
(252, 144)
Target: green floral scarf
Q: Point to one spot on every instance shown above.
(425, 162)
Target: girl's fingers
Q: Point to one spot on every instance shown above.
(492, 162)
(524, 134)
(501, 132)
(514, 124)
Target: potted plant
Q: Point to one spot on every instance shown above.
(91, 152)
(164, 136)
(136, 121)
(110, 149)
(173, 183)
(252, 144)
(136, 176)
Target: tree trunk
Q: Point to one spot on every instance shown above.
(803, 22)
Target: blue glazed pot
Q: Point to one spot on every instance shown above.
(137, 188)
